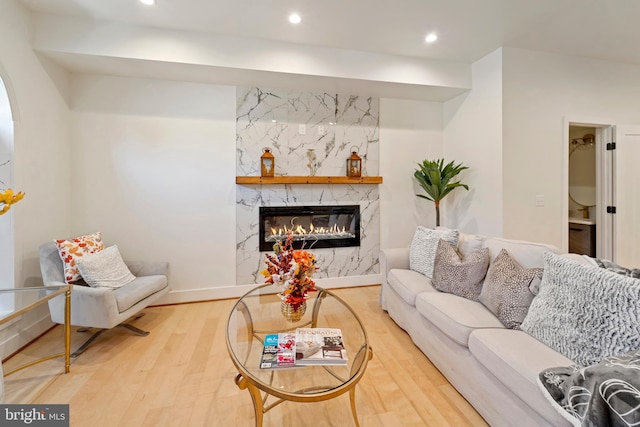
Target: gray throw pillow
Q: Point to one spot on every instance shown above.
(422, 252)
(506, 290)
(585, 313)
(457, 274)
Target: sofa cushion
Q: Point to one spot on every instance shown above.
(516, 359)
(469, 243)
(506, 289)
(408, 284)
(133, 292)
(586, 313)
(422, 252)
(455, 316)
(458, 274)
(527, 254)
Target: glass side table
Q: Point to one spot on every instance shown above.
(25, 300)
(257, 314)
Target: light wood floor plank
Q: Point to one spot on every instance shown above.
(182, 375)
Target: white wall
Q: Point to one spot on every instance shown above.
(540, 90)
(410, 131)
(473, 136)
(154, 170)
(41, 157)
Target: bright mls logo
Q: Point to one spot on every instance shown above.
(34, 415)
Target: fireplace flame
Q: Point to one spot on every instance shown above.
(315, 233)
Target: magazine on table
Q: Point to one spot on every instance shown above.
(320, 346)
(279, 351)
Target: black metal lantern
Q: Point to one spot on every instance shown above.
(354, 164)
(267, 163)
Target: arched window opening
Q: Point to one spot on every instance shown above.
(7, 264)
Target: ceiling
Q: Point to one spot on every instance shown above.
(468, 29)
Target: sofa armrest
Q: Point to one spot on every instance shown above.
(148, 268)
(393, 258)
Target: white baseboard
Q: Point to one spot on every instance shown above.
(225, 292)
(15, 338)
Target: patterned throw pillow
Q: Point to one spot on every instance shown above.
(71, 250)
(506, 289)
(457, 274)
(422, 252)
(583, 312)
(105, 269)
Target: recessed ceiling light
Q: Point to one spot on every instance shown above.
(294, 18)
(148, 2)
(431, 38)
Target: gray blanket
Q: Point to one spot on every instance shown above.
(604, 394)
(611, 266)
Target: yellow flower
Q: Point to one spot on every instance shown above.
(8, 198)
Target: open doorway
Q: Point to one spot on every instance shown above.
(588, 188)
(6, 221)
(582, 190)
(617, 206)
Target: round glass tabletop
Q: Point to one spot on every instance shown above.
(258, 313)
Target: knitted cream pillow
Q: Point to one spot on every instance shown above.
(105, 269)
(423, 248)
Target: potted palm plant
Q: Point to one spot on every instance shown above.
(436, 179)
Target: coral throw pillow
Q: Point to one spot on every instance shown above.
(72, 249)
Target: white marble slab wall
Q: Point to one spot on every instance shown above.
(332, 125)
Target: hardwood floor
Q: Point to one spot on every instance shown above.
(181, 375)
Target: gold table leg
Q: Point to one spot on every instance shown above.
(352, 399)
(67, 331)
(258, 403)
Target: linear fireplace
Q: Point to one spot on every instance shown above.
(311, 226)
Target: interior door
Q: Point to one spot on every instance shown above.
(626, 196)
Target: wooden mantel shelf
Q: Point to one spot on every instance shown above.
(259, 180)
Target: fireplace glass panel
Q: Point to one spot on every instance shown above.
(311, 226)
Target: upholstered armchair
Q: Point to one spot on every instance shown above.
(104, 308)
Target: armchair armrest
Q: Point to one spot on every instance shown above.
(91, 307)
(148, 268)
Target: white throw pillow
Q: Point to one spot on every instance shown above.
(422, 252)
(105, 269)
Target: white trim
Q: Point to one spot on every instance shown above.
(226, 292)
(23, 336)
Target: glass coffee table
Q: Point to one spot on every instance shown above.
(27, 299)
(257, 314)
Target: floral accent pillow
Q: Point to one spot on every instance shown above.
(72, 249)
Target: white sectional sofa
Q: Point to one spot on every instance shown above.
(493, 367)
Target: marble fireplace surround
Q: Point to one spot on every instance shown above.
(309, 134)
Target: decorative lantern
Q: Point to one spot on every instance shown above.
(354, 164)
(267, 163)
